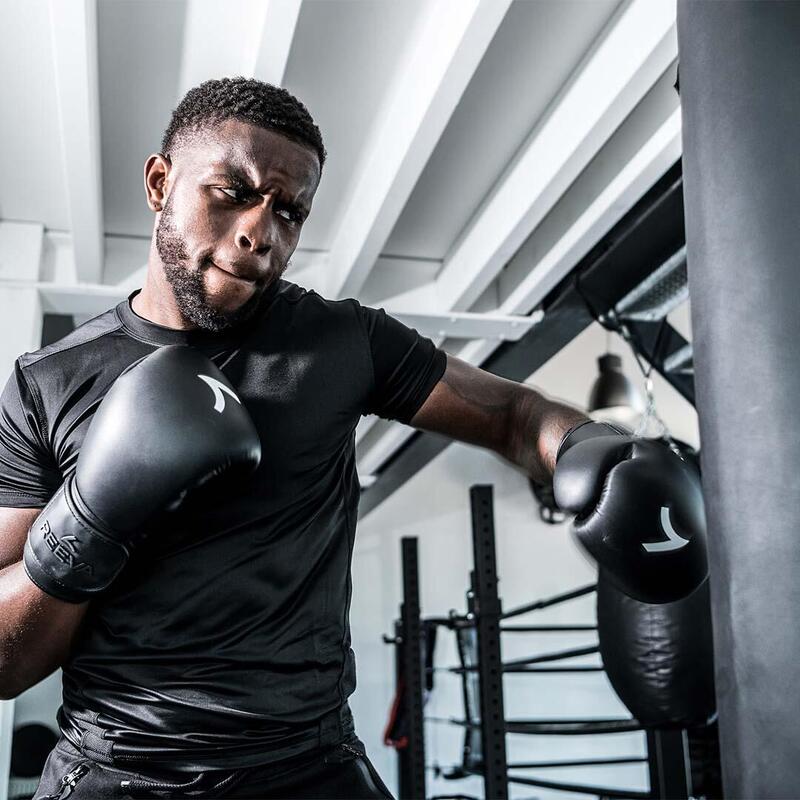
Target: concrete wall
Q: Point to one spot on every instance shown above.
(534, 560)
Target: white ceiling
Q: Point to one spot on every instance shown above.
(477, 148)
(139, 61)
(343, 58)
(535, 50)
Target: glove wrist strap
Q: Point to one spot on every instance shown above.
(588, 429)
(66, 555)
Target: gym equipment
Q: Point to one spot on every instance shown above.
(670, 752)
(741, 125)
(629, 283)
(658, 657)
(639, 510)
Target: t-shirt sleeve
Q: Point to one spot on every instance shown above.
(406, 366)
(28, 474)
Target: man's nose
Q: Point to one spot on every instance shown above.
(255, 230)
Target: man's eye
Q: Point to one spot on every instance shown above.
(239, 195)
(290, 215)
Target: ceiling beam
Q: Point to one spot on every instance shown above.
(86, 299)
(636, 72)
(464, 325)
(73, 30)
(249, 37)
(429, 83)
(638, 44)
(278, 23)
(659, 152)
(384, 448)
(214, 45)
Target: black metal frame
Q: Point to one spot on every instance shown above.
(412, 757)
(670, 770)
(657, 342)
(488, 613)
(538, 605)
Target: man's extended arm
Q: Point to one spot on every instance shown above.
(639, 507)
(512, 419)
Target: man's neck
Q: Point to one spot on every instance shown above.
(156, 303)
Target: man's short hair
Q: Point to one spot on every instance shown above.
(245, 99)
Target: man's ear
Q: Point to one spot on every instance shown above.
(156, 170)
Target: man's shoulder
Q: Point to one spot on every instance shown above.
(309, 301)
(73, 347)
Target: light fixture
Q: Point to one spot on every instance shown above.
(613, 397)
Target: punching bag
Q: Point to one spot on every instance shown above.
(659, 658)
(740, 97)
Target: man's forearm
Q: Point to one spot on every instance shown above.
(36, 631)
(510, 418)
(536, 428)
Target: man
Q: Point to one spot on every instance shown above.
(214, 657)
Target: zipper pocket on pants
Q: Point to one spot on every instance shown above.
(69, 782)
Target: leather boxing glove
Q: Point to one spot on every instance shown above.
(168, 424)
(639, 510)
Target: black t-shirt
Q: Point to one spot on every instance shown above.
(226, 636)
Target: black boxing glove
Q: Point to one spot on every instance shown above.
(639, 510)
(168, 424)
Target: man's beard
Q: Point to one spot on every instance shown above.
(187, 284)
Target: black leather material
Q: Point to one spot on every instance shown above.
(167, 425)
(178, 429)
(659, 658)
(639, 510)
(588, 429)
(66, 555)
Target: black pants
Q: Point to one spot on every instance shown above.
(341, 771)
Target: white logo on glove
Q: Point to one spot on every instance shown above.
(674, 540)
(218, 388)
